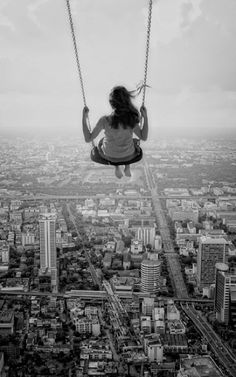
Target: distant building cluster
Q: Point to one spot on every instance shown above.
(210, 246)
(89, 268)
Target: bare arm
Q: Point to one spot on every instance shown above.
(88, 135)
(142, 132)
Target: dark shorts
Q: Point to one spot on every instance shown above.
(98, 158)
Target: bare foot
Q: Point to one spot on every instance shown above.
(118, 172)
(127, 171)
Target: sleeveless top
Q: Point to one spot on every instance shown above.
(117, 144)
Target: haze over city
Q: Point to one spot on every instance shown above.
(192, 64)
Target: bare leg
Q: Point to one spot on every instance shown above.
(118, 172)
(127, 171)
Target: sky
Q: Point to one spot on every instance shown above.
(191, 73)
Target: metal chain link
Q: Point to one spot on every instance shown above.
(76, 51)
(77, 61)
(147, 50)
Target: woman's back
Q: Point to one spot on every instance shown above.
(117, 142)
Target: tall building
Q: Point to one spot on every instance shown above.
(225, 280)
(146, 234)
(150, 275)
(158, 242)
(232, 306)
(211, 251)
(4, 252)
(48, 251)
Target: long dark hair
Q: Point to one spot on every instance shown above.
(125, 112)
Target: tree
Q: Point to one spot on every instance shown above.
(190, 288)
(127, 241)
(187, 260)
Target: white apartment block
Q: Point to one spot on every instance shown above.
(225, 279)
(27, 239)
(48, 252)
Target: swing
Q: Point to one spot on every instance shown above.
(95, 155)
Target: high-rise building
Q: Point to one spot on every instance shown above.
(150, 275)
(158, 242)
(225, 280)
(146, 234)
(211, 251)
(48, 252)
(232, 306)
(4, 252)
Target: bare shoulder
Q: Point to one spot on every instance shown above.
(103, 121)
(106, 120)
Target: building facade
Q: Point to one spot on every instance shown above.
(211, 251)
(48, 252)
(4, 252)
(27, 239)
(225, 279)
(150, 275)
(146, 234)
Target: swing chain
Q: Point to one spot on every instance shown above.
(76, 51)
(77, 59)
(147, 50)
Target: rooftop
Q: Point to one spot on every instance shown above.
(200, 367)
(148, 262)
(211, 240)
(6, 316)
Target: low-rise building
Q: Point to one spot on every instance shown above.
(175, 343)
(176, 327)
(87, 325)
(95, 351)
(158, 316)
(153, 348)
(6, 322)
(27, 239)
(146, 324)
(172, 313)
(136, 246)
(198, 366)
(1, 363)
(107, 260)
(147, 306)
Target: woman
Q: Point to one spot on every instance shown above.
(118, 145)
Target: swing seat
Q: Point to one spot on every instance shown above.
(96, 156)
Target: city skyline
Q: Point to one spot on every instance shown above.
(112, 269)
(191, 66)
